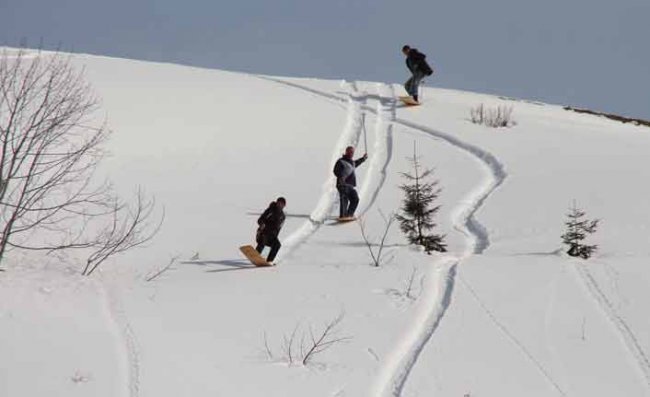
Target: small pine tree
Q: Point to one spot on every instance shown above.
(577, 230)
(417, 212)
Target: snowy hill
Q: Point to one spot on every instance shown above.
(503, 313)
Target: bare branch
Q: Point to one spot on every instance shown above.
(325, 340)
(287, 346)
(409, 286)
(318, 343)
(269, 352)
(376, 257)
(163, 270)
(130, 227)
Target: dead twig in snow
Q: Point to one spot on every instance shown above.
(163, 270)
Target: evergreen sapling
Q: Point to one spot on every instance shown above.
(577, 230)
(418, 211)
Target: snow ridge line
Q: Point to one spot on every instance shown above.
(127, 341)
(628, 338)
(431, 309)
(317, 93)
(382, 151)
(349, 136)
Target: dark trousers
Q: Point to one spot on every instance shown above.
(349, 200)
(413, 83)
(272, 242)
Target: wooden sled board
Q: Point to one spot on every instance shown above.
(408, 101)
(340, 221)
(253, 256)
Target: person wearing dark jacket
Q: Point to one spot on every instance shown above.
(346, 181)
(270, 223)
(419, 68)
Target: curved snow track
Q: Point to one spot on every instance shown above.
(433, 306)
(493, 176)
(477, 235)
(437, 298)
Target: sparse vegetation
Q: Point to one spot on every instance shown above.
(303, 345)
(376, 256)
(411, 289)
(496, 117)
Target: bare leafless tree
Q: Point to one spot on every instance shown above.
(376, 257)
(50, 147)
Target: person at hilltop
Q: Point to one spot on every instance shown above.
(346, 182)
(269, 226)
(419, 68)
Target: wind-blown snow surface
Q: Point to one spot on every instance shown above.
(502, 313)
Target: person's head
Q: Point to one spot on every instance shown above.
(281, 202)
(349, 151)
(406, 49)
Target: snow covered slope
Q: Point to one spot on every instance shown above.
(502, 313)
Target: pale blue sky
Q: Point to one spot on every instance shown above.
(590, 53)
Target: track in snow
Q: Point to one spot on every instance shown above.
(382, 151)
(126, 340)
(378, 164)
(504, 330)
(431, 307)
(434, 305)
(494, 175)
(627, 335)
(466, 223)
(349, 136)
(395, 373)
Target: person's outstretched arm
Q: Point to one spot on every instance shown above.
(360, 160)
